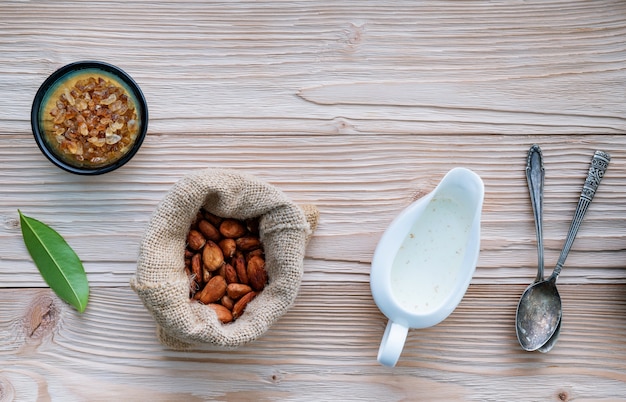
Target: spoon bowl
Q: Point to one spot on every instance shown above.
(538, 314)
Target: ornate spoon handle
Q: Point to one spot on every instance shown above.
(599, 163)
(535, 174)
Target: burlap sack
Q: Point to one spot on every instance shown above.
(161, 281)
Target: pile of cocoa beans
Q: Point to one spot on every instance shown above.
(225, 260)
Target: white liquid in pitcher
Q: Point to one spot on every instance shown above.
(427, 265)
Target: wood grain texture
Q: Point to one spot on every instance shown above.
(323, 348)
(356, 107)
(358, 183)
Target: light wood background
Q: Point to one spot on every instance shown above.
(358, 107)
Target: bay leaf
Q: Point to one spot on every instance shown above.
(57, 262)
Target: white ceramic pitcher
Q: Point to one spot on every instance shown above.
(424, 261)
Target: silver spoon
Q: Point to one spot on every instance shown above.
(539, 310)
(546, 347)
(535, 174)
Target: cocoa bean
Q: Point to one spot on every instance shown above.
(242, 303)
(195, 240)
(232, 228)
(212, 256)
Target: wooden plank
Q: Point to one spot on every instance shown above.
(358, 183)
(327, 68)
(323, 348)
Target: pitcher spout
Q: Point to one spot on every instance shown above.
(464, 185)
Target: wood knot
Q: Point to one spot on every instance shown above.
(11, 223)
(7, 392)
(276, 378)
(353, 35)
(343, 126)
(563, 396)
(42, 316)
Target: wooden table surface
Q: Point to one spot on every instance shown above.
(359, 108)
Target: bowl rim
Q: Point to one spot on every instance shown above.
(60, 74)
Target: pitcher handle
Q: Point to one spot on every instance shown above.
(392, 343)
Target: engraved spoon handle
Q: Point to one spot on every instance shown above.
(599, 163)
(535, 174)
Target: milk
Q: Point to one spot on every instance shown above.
(425, 269)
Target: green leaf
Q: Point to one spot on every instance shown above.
(58, 264)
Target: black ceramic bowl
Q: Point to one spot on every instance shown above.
(89, 117)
